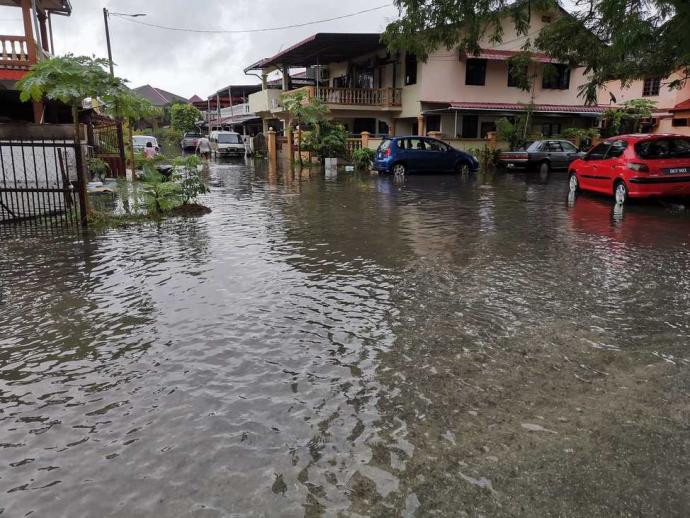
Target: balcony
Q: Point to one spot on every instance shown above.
(14, 53)
(265, 101)
(385, 98)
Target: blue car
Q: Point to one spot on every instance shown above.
(401, 155)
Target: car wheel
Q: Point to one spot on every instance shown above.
(544, 168)
(399, 169)
(573, 183)
(620, 192)
(462, 168)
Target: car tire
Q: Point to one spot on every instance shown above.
(399, 169)
(620, 192)
(573, 182)
(544, 168)
(462, 168)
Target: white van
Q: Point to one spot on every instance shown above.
(227, 143)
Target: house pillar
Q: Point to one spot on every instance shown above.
(420, 125)
(264, 81)
(42, 18)
(264, 126)
(391, 128)
(286, 78)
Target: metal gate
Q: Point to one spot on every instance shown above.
(39, 175)
(105, 136)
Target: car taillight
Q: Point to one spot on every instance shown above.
(387, 153)
(640, 168)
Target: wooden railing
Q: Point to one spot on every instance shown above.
(353, 144)
(384, 97)
(14, 53)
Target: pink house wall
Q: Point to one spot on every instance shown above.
(666, 99)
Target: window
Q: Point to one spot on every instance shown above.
(679, 123)
(551, 147)
(599, 152)
(470, 125)
(664, 148)
(485, 128)
(617, 149)
(433, 123)
(436, 145)
(568, 147)
(516, 73)
(415, 144)
(556, 77)
(410, 69)
(551, 129)
(384, 129)
(475, 72)
(651, 86)
(228, 138)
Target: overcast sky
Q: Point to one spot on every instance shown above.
(186, 63)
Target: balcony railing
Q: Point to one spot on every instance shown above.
(383, 97)
(14, 53)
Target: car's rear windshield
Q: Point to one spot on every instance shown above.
(193, 135)
(143, 140)
(229, 138)
(384, 145)
(657, 149)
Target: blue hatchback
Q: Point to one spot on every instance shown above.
(401, 155)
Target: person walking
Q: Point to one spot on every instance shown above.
(149, 151)
(203, 148)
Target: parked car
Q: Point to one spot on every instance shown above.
(635, 166)
(401, 155)
(190, 140)
(139, 143)
(542, 155)
(227, 143)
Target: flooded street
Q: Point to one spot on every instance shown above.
(352, 346)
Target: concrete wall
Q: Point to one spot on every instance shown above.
(666, 99)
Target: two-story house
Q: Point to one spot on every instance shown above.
(672, 105)
(369, 89)
(18, 52)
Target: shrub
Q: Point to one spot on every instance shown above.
(186, 174)
(159, 194)
(98, 168)
(363, 158)
(487, 156)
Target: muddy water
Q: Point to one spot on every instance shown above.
(352, 346)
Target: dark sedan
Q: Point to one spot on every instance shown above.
(543, 155)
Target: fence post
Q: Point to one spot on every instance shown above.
(272, 147)
(290, 140)
(491, 137)
(81, 177)
(365, 139)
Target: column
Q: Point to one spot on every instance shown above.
(272, 146)
(420, 125)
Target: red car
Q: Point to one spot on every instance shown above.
(635, 166)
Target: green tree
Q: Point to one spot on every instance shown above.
(613, 39)
(305, 110)
(183, 117)
(71, 79)
(628, 118)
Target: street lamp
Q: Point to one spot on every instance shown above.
(106, 15)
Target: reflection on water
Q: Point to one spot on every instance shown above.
(315, 346)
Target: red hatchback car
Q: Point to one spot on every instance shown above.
(635, 166)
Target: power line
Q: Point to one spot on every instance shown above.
(245, 31)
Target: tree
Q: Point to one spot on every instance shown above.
(132, 108)
(304, 110)
(628, 118)
(183, 117)
(71, 79)
(613, 39)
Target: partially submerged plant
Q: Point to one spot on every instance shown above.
(186, 174)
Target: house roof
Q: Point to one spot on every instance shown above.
(157, 96)
(539, 108)
(323, 47)
(53, 6)
(196, 99)
(681, 107)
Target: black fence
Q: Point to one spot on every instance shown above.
(39, 176)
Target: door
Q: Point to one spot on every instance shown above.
(553, 151)
(570, 151)
(611, 166)
(592, 172)
(438, 155)
(417, 155)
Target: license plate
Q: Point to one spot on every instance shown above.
(678, 170)
(510, 165)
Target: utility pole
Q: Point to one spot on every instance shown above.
(107, 39)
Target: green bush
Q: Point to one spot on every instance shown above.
(486, 155)
(98, 168)
(160, 195)
(363, 158)
(329, 140)
(186, 174)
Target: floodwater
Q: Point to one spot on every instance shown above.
(352, 346)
